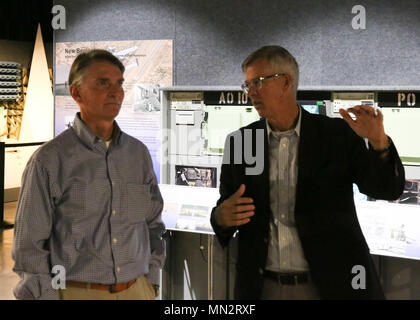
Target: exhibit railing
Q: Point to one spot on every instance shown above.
(3, 146)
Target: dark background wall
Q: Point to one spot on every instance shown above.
(211, 38)
(19, 19)
(22, 51)
(19, 24)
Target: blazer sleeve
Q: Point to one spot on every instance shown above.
(379, 178)
(227, 188)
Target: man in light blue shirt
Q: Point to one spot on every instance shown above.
(90, 202)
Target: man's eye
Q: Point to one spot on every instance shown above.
(255, 82)
(103, 82)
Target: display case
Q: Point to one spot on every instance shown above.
(198, 120)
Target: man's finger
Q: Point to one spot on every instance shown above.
(241, 222)
(238, 193)
(356, 110)
(367, 108)
(244, 201)
(243, 215)
(239, 209)
(379, 114)
(346, 117)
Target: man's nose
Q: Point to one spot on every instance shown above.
(115, 90)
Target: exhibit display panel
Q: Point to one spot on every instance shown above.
(148, 66)
(188, 209)
(345, 100)
(390, 229)
(196, 124)
(314, 107)
(199, 120)
(401, 118)
(401, 124)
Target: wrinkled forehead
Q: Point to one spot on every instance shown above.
(103, 69)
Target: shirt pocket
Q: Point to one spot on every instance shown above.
(139, 202)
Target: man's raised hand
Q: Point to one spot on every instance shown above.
(367, 124)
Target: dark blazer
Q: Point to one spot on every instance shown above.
(331, 157)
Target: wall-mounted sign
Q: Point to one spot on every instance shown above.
(226, 98)
(401, 99)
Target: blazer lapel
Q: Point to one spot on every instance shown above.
(310, 152)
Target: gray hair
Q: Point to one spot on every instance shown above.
(85, 59)
(279, 58)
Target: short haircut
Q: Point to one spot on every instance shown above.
(279, 57)
(85, 59)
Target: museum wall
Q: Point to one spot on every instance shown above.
(211, 38)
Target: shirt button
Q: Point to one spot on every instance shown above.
(113, 183)
(261, 271)
(114, 212)
(118, 269)
(115, 240)
(282, 215)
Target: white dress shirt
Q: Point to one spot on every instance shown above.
(285, 252)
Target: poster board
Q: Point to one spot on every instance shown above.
(390, 229)
(188, 208)
(148, 66)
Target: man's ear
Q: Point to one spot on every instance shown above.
(75, 93)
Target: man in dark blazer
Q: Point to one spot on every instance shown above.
(298, 233)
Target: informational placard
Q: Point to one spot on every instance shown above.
(401, 119)
(225, 98)
(390, 229)
(188, 208)
(401, 124)
(148, 66)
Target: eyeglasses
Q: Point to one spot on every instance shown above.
(258, 82)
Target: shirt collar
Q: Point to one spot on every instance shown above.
(296, 129)
(87, 136)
